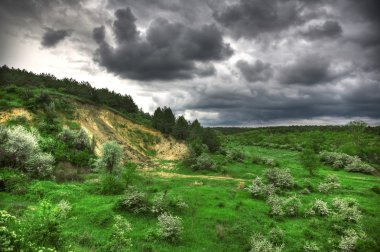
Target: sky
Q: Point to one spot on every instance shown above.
(225, 62)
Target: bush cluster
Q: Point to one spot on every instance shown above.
(163, 202)
(203, 162)
(235, 155)
(350, 239)
(284, 206)
(347, 210)
(281, 178)
(169, 227)
(331, 182)
(260, 243)
(319, 208)
(120, 236)
(265, 161)
(133, 201)
(347, 162)
(77, 139)
(259, 189)
(19, 149)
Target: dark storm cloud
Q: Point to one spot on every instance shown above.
(259, 71)
(329, 29)
(169, 50)
(52, 37)
(251, 18)
(99, 34)
(307, 70)
(124, 26)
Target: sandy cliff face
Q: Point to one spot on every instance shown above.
(139, 143)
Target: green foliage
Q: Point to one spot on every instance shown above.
(235, 155)
(281, 178)
(133, 201)
(264, 161)
(120, 237)
(203, 162)
(260, 243)
(309, 161)
(111, 158)
(169, 227)
(181, 129)
(211, 139)
(163, 120)
(349, 163)
(111, 184)
(19, 149)
(331, 182)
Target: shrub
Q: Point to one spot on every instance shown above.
(311, 246)
(276, 205)
(309, 161)
(20, 149)
(120, 237)
(280, 178)
(276, 236)
(259, 189)
(265, 161)
(320, 208)
(133, 201)
(111, 157)
(359, 166)
(350, 239)
(331, 182)
(40, 165)
(349, 163)
(347, 210)
(169, 227)
(43, 224)
(260, 243)
(292, 205)
(111, 184)
(235, 155)
(203, 162)
(163, 203)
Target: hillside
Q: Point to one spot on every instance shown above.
(80, 175)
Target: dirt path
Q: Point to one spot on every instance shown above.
(178, 175)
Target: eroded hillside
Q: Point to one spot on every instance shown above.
(139, 143)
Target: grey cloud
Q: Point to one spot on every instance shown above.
(99, 34)
(169, 51)
(307, 70)
(251, 18)
(259, 71)
(52, 37)
(124, 26)
(329, 29)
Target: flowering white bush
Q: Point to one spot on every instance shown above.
(349, 240)
(280, 178)
(169, 227)
(331, 182)
(19, 148)
(203, 162)
(259, 189)
(276, 205)
(260, 243)
(40, 164)
(310, 246)
(347, 209)
(319, 208)
(349, 163)
(292, 205)
(134, 201)
(120, 237)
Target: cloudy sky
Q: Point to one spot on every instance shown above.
(235, 63)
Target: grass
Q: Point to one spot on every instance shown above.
(220, 216)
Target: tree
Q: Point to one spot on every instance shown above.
(211, 139)
(111, 157)
(357, 129)
(195, 130)
(309, 161)
(181, 128)
(168, 120)
(157, 119)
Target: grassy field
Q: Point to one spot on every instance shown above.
(221, 215)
